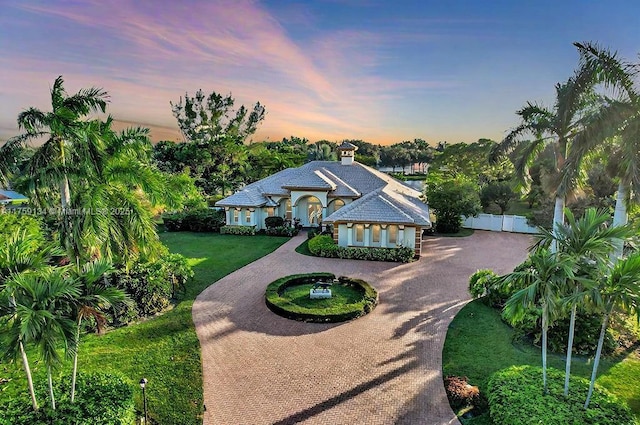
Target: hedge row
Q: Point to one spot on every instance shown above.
(101, 398)
(324, 246)
(200, 220)
(238, 230)
(516, 398)
(286, 309)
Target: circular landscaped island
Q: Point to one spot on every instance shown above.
(320, 297)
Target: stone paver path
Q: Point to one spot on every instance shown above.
(383, 368)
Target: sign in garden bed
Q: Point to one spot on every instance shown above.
(292, 297)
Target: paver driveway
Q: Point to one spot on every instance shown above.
(384, 368)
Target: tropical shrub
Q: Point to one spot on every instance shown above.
(151, 285)
(585, 340)
(101, 398)
(238, 230)
(516, 398)
(274, 221)
(324, 246)
(481, 282)
(281, 231)
(196, 220)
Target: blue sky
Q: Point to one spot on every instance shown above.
(380, 71)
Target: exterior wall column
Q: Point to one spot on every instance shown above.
(418, 241)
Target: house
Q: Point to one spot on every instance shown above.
(11, 197)
(365, 208)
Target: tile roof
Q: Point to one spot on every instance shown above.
(383, 206)
(378, 197)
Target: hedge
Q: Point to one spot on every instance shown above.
(324, 246)
(516, 398)
(101, 398)
(281, 231)
(200, 220)
(238, 230)
(284, 308)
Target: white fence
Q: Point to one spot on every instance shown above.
(500, 223)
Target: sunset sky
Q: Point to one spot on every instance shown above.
(381, 71)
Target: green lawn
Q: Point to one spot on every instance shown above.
(164, 349)
(341, 295)
(478, 343)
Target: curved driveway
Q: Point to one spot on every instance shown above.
(383, 368)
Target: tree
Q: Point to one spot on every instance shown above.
(115, 197)
(471, 161)
(588, 242)
(556, 127)
(620, 288)
(499, 193)
(217, 133)
(451, 199)
(41, 317)
(21, 252)
(544, 279)
(322, 150)
(615, 117)
(93, 299)
(61, 154)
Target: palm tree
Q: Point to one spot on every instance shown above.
(51, 165)
(543, 280)
(620, 288)
(94, 298)
(42, 314)
(555, 127)
(117, 193)
(588, 242)
(616, 117)
(20, 253)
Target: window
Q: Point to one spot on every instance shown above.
(375, 233)
(236, 215)
(314, 210)
(359, 233)
(247, 216)
(337, 204)
(287, 206)
(270, 212)
(392, 231)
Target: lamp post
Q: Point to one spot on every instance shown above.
(143, 383)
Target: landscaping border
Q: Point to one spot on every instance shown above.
(294, 312)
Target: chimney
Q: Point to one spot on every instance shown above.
(347, 152)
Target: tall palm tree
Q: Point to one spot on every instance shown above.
(94, 298)
(588, 242)
(20, 253)
(556, 127)
(620, 288)
(51, 165)
(116, 195)
(619, 116)
(543, 280)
